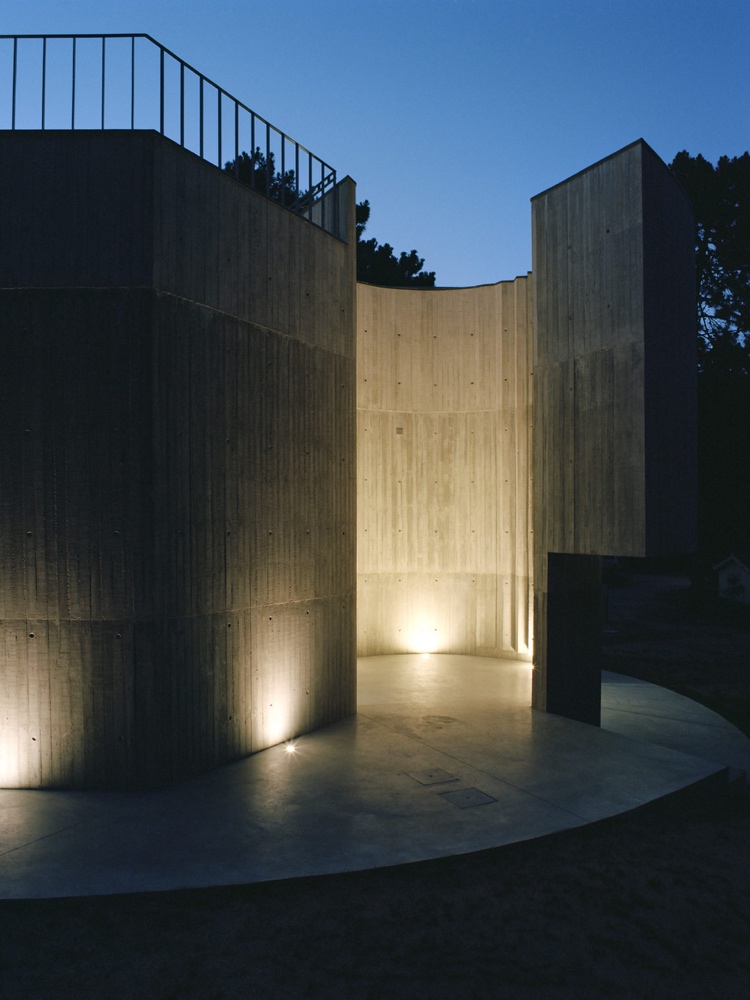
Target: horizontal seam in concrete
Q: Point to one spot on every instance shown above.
(543, 366)
(196, 614)
(180, 298)
(378, 409)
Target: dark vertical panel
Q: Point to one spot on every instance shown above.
(670, 362)
(573, 625)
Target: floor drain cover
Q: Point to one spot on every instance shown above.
(465, 798)
(433, 776)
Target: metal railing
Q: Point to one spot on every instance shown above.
(117, 81)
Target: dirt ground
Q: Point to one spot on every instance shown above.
(654, 903)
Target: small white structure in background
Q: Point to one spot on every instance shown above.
(734, 579)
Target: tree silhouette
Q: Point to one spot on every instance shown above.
(259, 172)
(720, 197)
(377, 264)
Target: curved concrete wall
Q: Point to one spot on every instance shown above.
(177, 452)
(444, 462)
(177, 469)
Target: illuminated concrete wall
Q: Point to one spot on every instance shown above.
(447, 544)
(177, 464)
(444, 462)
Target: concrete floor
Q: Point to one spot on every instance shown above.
(444, 757)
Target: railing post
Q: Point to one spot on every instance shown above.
(252, 150)
(322, 196)
(15, 64)
(268, 160)
(337, 207)
(104, 41)
(44, 77)
(296, 173)
(132, 82)
(73, 90)
(218, 114)
(200, 114)
(236, 139)
(161, 90)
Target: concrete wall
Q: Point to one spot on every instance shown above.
(177, 452)
(447, 546)
(444, 460)
(177, 464)
(614, 398)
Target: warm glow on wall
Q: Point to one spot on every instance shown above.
(283, 704)
(276, 722)
(9, 777)
(422, 636)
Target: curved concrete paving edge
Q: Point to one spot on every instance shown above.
(445, 756)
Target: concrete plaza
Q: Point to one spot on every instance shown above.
(445, 756)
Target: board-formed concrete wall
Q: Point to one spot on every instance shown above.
(177, 464)
(178, 536)
(614, 400)
(444, 460)
(614, 360)
(447, 547)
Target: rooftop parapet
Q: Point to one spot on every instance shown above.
(118, 81)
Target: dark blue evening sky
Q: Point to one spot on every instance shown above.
(451, 114)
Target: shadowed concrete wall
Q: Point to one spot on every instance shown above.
(614, 398)
(444, 458)
(177, 464)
